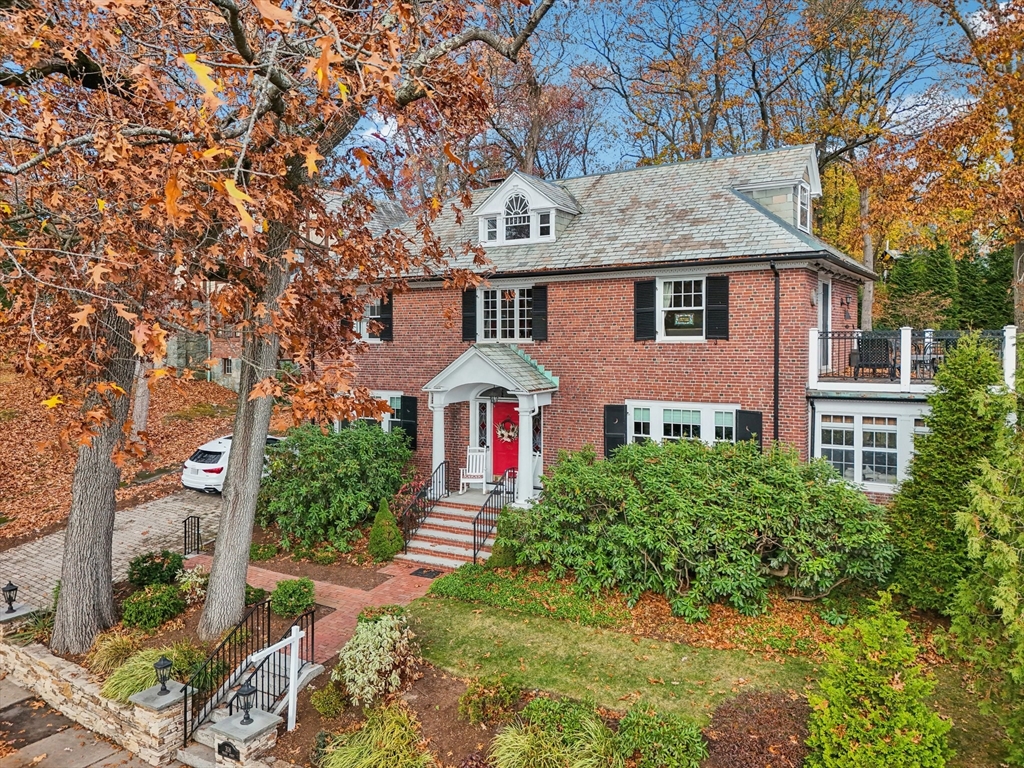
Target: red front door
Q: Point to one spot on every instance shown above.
(505, 451)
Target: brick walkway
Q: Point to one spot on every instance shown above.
(334, 630)
(35, 566)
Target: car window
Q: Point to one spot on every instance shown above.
(205, 457)
(273, 440)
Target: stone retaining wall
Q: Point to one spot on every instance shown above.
(154, 736)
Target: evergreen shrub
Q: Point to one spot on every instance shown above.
(154, 568)
(871, 709)
(293, 597)
(964, 427)
(660, 740)
(328, 701)
(320, 487)
(701, 524)
(148, 608)
(385, 537)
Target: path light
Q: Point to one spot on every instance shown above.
(10, 593)
(163, 674)
(247, 693)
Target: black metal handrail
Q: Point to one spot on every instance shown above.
(223, 667)
(423, 501)
(193, 536)
(270, 676)
(503, 494)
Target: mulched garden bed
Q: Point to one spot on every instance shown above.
(353, 569)
(758, 729)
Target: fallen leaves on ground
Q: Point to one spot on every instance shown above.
(35, 478)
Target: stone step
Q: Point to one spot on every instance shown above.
(455, 525)
(454, 513)
(433, 535)
(451, 550)
(432, 560)
(203, 735)
(198, 756)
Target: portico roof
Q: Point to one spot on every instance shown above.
(501, 365)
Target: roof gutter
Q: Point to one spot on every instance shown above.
(810, 256)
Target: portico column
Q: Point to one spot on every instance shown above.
(524, 476)
(437, 440)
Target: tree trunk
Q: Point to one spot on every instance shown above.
(140, 399)
(225, 596)
(86, 603)
(867, 305)
(1018, 284)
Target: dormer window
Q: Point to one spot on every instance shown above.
(803, 211)
(517, 218)
(544, 228)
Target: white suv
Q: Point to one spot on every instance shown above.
(205, 469)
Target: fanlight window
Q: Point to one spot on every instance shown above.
(517, 218)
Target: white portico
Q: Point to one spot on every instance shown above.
(506, 391)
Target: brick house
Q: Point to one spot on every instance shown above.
(677, 301)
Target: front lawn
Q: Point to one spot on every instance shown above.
(614, 669)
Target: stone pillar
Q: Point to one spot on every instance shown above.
(524, 478)
(437, 441)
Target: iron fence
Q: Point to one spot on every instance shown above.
(270, 676)
(486, 520)
(423, 501)
(193, 536)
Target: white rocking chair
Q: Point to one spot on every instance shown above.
(473, 472)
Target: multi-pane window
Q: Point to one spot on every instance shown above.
(492, 230)
(804, 208)
(641, 424)
(391, 419)
(517, 218)
(226, 366)
(508, 314)
(544, 224)
(371, 314)
(677, 424)
(880, 460)
(725, 428)
(837, 447)
(682, 303)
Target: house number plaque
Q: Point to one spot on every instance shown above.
(228, 750)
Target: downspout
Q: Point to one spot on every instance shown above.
(778, 337)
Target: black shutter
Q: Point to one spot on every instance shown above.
(540, 313)
(387, 318)
(614, 428)
(645, 325)
(469, 314)
(407, 418)
(718, 308)
(749, 426)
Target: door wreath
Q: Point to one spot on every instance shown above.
(507, 431)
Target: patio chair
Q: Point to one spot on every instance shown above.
(874, 353)
(473, 472)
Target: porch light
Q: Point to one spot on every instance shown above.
(247, 696)
(163, 674)
(10, 594)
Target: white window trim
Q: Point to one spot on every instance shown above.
(362, 324)
(659, 307)
(904, 413)
(480, 314)
(658, 407)
(535, 236)
(803, 200)
(388, 420)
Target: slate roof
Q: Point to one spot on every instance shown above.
(522, 370)
(683, 212)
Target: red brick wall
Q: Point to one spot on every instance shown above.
(591, 350)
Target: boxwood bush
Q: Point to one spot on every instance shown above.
(701, 524)
(293, 597)
(319, 487)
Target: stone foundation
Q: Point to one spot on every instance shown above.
(154, 736)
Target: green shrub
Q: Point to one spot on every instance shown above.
(293, 597)
(112, 649)
(137, 673)
(701, 524)
(964, 426)
(871, 708)
(502, 556)
(489, 700)
(328, 701)
(376, 660)
(562, 733)
(385, 537)
(389, 739)
(319, 487)
(153, 568)
(659, 740)
(149, 608)
(254, 595)
(527, 592)
(261, 552)
(988, 613)
(326, 555)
